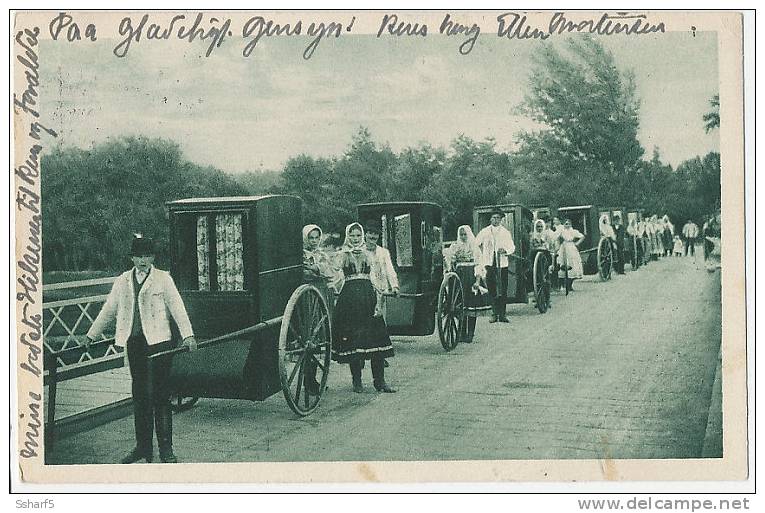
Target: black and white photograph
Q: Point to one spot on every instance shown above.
(380, 246)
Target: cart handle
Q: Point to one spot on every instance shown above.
(404, 295)
(223, 338)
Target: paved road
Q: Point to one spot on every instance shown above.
(623, 369)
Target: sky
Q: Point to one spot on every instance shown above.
(247, 114)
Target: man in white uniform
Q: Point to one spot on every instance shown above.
(496, 245)
(141, 301)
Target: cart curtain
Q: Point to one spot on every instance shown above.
(203, 254)
(228, 253)
(228, 238)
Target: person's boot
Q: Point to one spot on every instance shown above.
(138, 454)
(494, 313)
(378, 376)
(163, 423)
(502, 315)
(312, 386)
(356, 376)
(470, 329)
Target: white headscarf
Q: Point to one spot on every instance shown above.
(468, 231)
(605, 227)
(307, 229)
(346, 243)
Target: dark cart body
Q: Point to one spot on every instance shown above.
(528, 270)
(237, 262)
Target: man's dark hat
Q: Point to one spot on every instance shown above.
(141, 246)
(372, 227)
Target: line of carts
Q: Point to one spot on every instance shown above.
(237, 262)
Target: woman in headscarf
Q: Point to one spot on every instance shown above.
(539, 238)
(359, 331)
(607, 231)
(657, 231)
(668, 235)
(319, 272)
(568, 254)
(462, 258)
(318, 269)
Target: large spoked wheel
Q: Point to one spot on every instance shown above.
(305, 349)
(605, 259)
(542, 281)
(451, 311)
(179, 403)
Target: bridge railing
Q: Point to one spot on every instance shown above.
(65, 324)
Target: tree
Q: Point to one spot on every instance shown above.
(95, 199)
(474, 174)
(587, 147)
(712, 118)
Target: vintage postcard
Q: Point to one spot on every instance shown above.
(378, 246)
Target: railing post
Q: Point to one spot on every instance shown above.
(50, 428)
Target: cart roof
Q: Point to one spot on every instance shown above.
(399, 204)
(578, 207)
(503, 206)
(224, 200)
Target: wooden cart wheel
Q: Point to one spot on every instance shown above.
(542, 281)
(605, 259)
(305, 349)
(451, 311)
(179, 403)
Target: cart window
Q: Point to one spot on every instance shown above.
(509, 222)
(403, 231)
(228, 258)
(203, 254)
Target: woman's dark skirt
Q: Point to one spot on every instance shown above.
(357, 333)
(475, 304)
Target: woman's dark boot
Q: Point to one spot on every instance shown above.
(355, 365)
(378, 375)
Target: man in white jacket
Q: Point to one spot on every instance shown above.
(385, 281)
(496, 245)
(140, 301)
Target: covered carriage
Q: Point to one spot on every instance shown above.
(237, 262)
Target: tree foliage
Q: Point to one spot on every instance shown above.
(712, 118)
(587, 148)
(93, 200)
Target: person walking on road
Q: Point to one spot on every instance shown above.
(359, 332)
(495, 244)
(568, 254)
(140, 301)
(691, 233)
